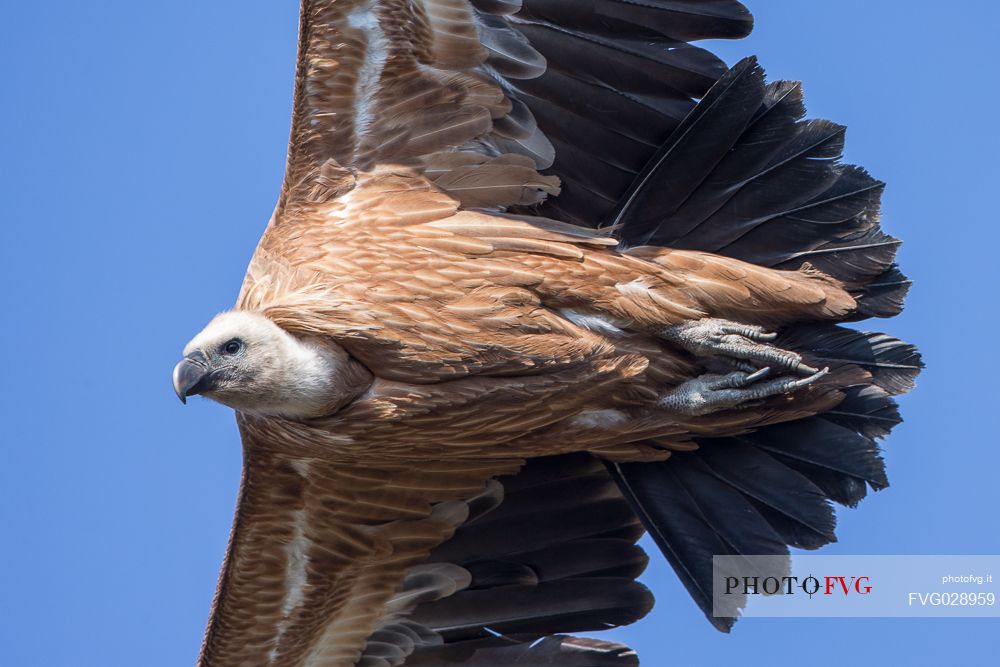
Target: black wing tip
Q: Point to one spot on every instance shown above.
(740, 24)
(722, 623)
(746, 65)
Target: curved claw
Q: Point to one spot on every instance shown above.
(784, 385)
(738, 379)
(711, 393)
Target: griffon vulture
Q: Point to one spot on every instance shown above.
(542, 276)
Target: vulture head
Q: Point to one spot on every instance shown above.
(244, 360)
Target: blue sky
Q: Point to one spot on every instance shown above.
(143, 148)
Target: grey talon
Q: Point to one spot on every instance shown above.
(712, 392)
(751, 331)
(735, 342)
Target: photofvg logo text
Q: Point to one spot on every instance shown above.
(789, 585)
(898, 586)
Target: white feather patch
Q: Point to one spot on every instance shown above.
(297, 554)
(594, 323)
(635, 289)
(364, 19)
(598, 418)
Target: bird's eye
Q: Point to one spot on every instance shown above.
(233, 346)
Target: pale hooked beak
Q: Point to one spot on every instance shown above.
(191, 376)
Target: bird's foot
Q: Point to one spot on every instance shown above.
(740, 343)
(712, 392)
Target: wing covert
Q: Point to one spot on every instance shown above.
(318, 550)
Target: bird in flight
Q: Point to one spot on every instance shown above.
(542, 276)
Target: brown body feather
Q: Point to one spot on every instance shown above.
(459, 312)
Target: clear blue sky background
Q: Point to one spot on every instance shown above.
(143, 146)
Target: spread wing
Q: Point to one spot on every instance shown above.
(337, 565)
(482, 95)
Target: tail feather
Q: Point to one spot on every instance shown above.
(884, 296)
(745, 176)
(756, 474)
(677, 526)
(794, 533)
(827, 445)
(753, 494)
(726, 510)
(838, 487)
(893, 364)
(869, 410)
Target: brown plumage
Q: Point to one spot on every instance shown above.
(425, 314)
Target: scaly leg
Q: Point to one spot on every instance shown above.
(712, 337)
(712, 392)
